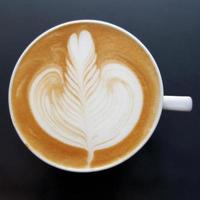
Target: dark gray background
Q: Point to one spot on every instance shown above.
(168, 166)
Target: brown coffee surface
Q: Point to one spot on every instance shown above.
(110, 44)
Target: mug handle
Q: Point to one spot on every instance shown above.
(177, 103)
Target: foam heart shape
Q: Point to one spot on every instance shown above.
(85, 105)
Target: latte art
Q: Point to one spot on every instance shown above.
(85, 105)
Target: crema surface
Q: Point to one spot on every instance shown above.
(85, 95)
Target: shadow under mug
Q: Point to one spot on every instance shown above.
(175, 103)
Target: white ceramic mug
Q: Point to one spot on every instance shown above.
(176, 103)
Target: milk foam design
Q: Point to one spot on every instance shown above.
(85, 105)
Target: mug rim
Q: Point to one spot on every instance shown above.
(130, 154)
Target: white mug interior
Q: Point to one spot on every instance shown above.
(135, 150)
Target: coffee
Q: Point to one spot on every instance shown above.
(84, 95)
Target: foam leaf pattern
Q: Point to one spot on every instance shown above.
(85, 105)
